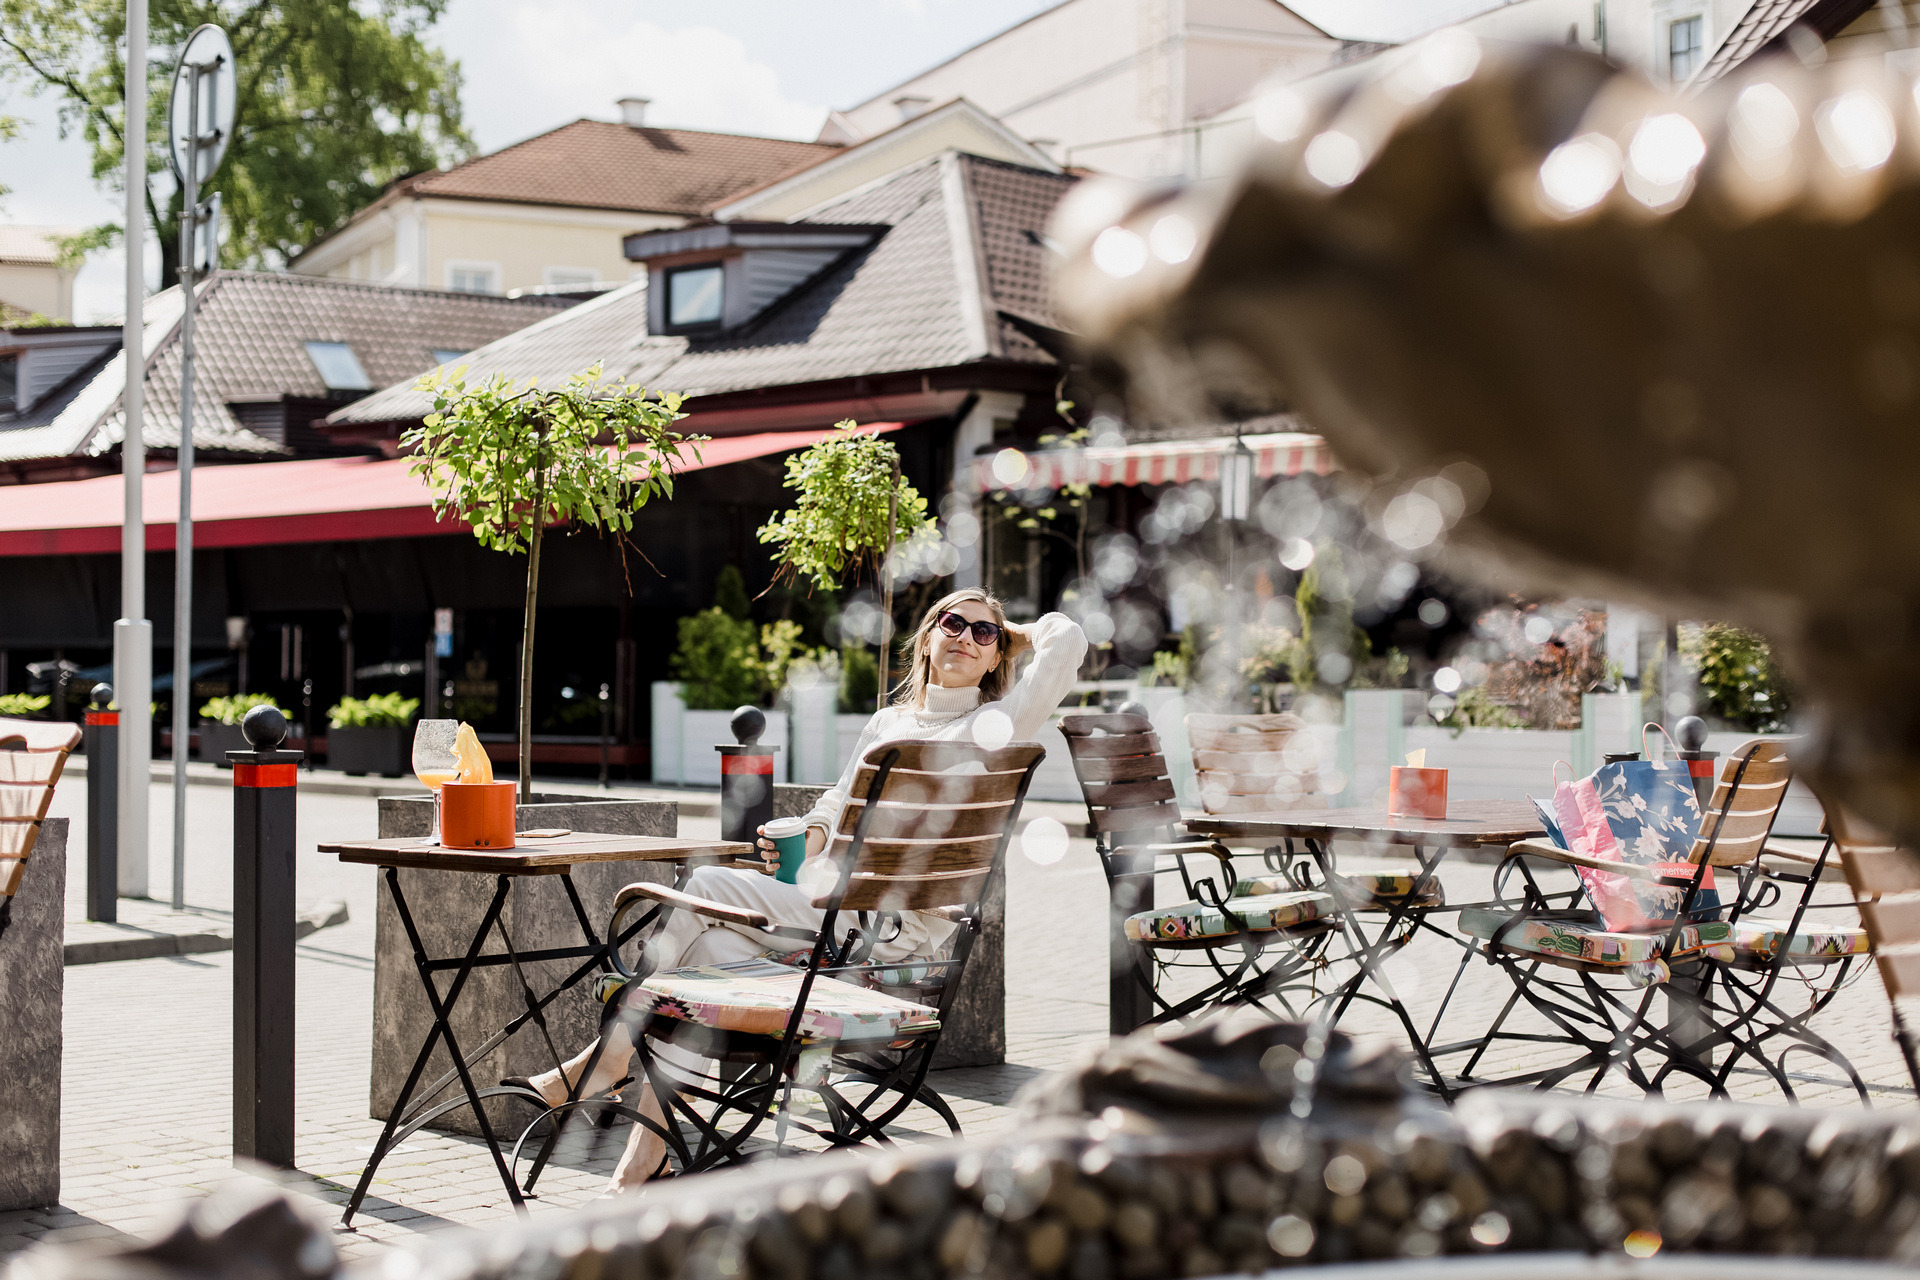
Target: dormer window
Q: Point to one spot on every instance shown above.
(694, 296)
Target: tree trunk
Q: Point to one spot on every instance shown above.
(526, 638)
(886, 590)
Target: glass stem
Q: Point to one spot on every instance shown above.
(435, 838)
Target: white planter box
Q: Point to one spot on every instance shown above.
(814, 744)
(683, 741)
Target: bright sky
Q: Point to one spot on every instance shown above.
(750, 66)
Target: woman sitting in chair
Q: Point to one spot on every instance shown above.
(962, 680)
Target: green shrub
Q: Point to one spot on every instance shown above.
(718, 661)
(234, 709)
(859, 681)
(730, 594)
(1170, 670)
(381, 711)
(1737, 676)
(1475, 709)
(24, 706)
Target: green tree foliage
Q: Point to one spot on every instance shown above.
(730, 593)
(511, 460)
(716, 662)
(859, 681)
(334, 102)
(1737, 675)
(852, 509)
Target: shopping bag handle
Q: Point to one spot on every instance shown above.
(1556, 772)
(1673, 748)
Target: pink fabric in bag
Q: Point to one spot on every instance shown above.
(1583, 821)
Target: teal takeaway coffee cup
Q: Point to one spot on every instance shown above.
(789, 836)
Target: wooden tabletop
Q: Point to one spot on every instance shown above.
(1468, 823)
(547, 855)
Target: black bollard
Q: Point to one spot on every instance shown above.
(1691, 734)
(263, 847)
(746, 777)
(1129, 1003)
(102, 738)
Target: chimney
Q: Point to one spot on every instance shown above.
(910, 105)
(633, 111)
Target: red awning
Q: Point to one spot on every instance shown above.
(1278, 453)
(259, 504)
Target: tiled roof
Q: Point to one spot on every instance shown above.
(31, 246)
(250, 332)
(1769, 20)
(955, 223)
(593, 164)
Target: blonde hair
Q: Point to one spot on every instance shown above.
(993, 685)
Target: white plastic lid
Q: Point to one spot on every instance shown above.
(781, 828)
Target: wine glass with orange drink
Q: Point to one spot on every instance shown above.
(435, 761)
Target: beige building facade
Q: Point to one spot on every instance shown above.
(32, 281)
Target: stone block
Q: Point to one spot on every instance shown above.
(447, 906)
(976, 1026)
(32, 984)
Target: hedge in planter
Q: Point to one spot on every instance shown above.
(220, 724)
(370, 735)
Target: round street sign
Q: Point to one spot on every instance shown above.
(210, 53)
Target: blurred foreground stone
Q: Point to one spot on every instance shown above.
(1181, 1157)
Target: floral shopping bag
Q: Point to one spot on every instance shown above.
(1639, 811)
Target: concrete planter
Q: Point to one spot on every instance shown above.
(383, 750)
(32, 986)
(447, 906)
(218, 739)
(684, 741)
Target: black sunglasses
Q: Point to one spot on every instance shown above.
(984, 633)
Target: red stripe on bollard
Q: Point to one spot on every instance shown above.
(1700, 768)
(265, 775)
(103, 717)
(746, 764)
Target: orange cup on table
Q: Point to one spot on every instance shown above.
(477, 815)
(1415, 791)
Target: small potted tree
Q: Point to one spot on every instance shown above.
(853, 509)
(220, 724)
(369, 735)
(513, 460)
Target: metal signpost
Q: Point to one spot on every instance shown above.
(132, 633)
(199, 125)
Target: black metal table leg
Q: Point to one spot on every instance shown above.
(442, 1012)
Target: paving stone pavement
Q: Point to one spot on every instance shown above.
(147, 1100)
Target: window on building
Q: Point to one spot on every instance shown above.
(473, 277)
(1685, 44)
(9, 383)
(445, 355)
(567, 277)
(693, 297)
(339, 368)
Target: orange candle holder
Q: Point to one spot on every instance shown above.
(477, 815)
(1416, 793)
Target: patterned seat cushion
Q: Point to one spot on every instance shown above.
(1261, 913)
(1762, 938)
(756, 996)
(1369, 886)
(1580, 936)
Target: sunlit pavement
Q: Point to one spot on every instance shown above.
(147, 1101)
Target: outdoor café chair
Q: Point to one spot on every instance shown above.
(1271, 764)
(1885, 881)
(32, 755)
(1253, 940)
(926, 828)
(1717, 964)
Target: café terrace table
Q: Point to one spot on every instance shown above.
(1469, 824)
(536, 855)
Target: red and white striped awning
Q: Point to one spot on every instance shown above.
(1280, 453)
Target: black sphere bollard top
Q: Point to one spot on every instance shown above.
(1691, 733)
(264, 728)
(1134, 709)
(748, 723)
(102, 696)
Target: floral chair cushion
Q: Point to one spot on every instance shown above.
(1762, 938)
(1580, 937)
(1260, 913)
(756, 996)
(1368, 886)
